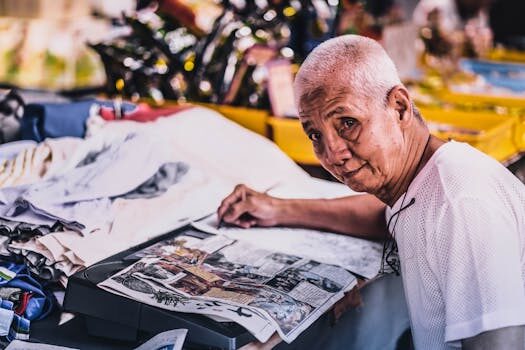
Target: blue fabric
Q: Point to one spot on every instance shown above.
(19, 329)
(7, 304)
(7, 316)
(43, 120)
(41, 303)
(506, 75)
(18, 325)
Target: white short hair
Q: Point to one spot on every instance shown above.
(360, 63)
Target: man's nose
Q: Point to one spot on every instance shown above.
(337, 150)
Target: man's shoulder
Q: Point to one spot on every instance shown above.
(463, 171)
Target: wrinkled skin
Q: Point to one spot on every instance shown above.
(364, 142)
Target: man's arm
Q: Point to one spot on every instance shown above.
(502, 338)
(361, 215)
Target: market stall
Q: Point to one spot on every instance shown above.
(125, 128)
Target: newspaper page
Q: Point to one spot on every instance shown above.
(262, 290)
(172, 340)
(359, 256)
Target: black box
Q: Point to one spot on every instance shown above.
(112, 316)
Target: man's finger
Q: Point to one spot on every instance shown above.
(246, 220)
(236, 210)
(231, 199)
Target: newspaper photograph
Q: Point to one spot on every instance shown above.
(259, 289)
(357, 255)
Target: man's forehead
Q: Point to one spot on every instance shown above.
(308, 97)
(321, 96)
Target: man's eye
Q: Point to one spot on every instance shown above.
(314, 136)
(347, 123)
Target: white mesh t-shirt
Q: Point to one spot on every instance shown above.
(462, 247)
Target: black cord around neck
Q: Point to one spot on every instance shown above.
(389, 243)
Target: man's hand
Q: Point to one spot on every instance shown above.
(245, 208)
(359, 215)
(351, 300)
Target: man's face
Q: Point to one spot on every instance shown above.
(358, 140)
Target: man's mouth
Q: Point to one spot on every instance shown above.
(352, 173)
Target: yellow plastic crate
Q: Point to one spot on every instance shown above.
(520, 134)
(288, 134)
(253, 119)
(480, 101)
(507, 55)
(489, 132)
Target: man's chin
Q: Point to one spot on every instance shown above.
(356, 186)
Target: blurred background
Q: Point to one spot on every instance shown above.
(203, 50)
(456, 56)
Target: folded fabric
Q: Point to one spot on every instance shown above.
(25, 167)
(6, 318)
(11, 294)
(11, 149)
(85, 216)
(38, 259)
(32, 164)
(167, 175)
(43, 120)
(80, 196)
(206, 140)
(4, 243)
(115, 168)
(21, 231)
(19, 329)
(143, 113)
(46, 258)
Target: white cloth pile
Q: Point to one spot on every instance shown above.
(90, 198)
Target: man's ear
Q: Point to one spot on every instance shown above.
(399, 101)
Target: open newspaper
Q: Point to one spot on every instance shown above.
(261, 290)
(360, 256)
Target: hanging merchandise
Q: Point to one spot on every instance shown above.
(163, 57)
(11, 111)
(149, 62)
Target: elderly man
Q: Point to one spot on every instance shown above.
(458, 216)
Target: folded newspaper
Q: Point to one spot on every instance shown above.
(262, 290)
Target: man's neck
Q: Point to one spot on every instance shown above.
(418, 152)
